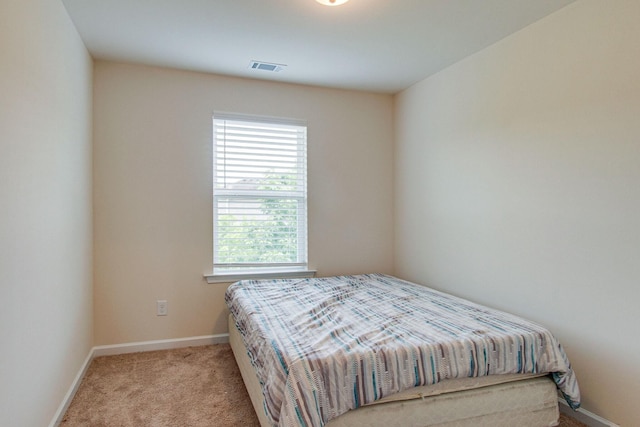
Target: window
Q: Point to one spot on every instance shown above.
(259, 196)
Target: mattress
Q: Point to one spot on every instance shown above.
(327, 346)
(501, 400)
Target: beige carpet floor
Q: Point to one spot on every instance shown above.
(187, 387)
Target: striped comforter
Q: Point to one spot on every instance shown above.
(324, 346)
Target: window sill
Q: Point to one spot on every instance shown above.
(234, 277)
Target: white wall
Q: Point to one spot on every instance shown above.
(153, 190)
(518, 186)
(45, 209)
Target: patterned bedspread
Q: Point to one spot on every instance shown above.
(324, 346)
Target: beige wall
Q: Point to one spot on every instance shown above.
(45, 209)
(153, 203)
(518, 186)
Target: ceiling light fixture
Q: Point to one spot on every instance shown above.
(332, 2)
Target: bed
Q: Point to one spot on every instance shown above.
(373, 350)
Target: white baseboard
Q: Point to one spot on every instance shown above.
(584, 416)
(62, 409)
(135, 347)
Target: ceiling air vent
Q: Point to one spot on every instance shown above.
(266, 66)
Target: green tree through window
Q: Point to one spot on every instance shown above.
(270, 239)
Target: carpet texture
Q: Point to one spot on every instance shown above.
(189, 387)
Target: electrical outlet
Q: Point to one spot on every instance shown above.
(161, 307)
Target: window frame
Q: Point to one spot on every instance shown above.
(228, 272)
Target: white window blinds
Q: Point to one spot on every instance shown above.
(259, 194)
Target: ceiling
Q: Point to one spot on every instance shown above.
(374, 45)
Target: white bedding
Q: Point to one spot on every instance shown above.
(532, 402)
(323, 347)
